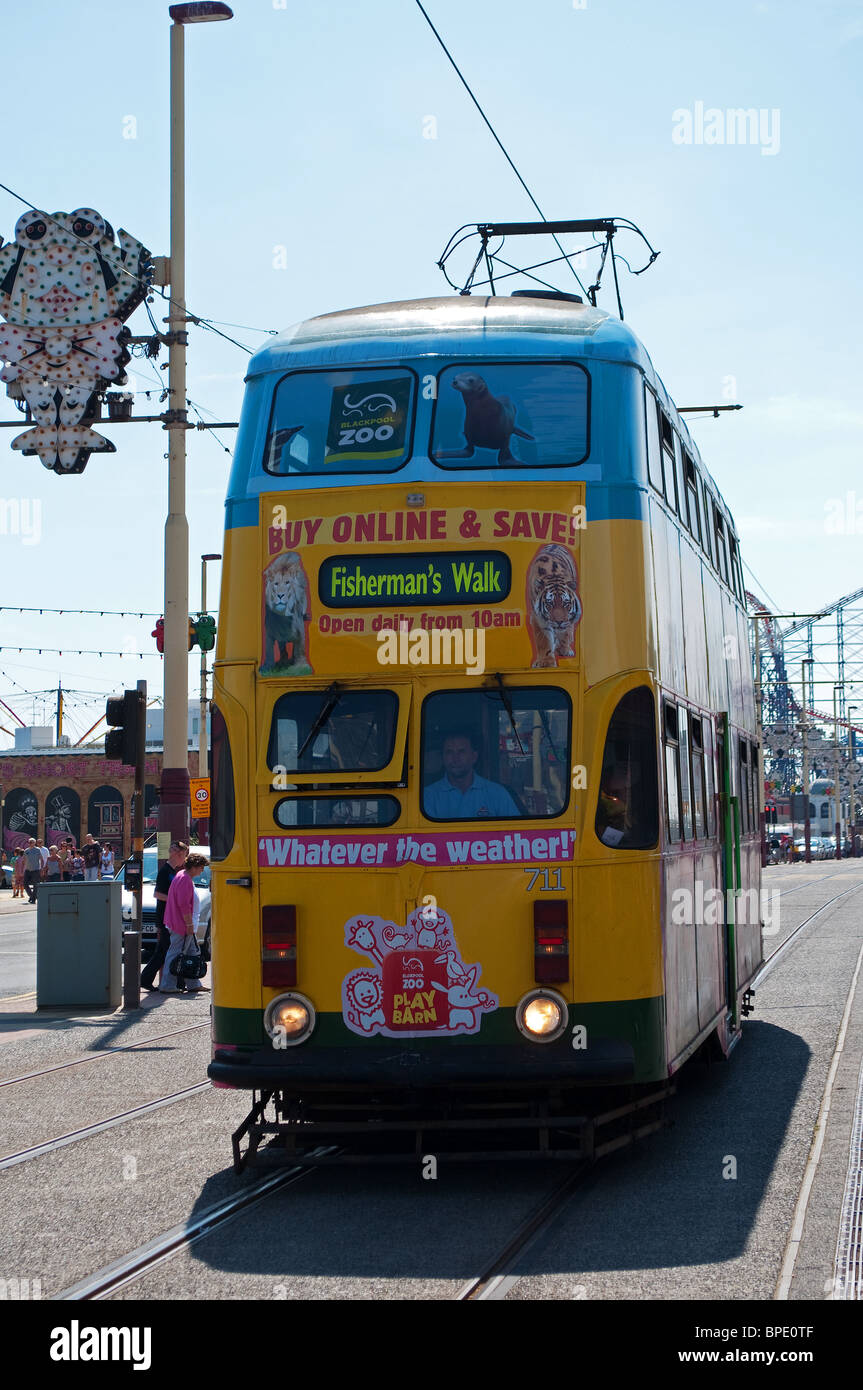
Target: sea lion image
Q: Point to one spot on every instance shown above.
(489, 421)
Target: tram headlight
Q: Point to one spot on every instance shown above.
(289, 1019)
(542, 1015)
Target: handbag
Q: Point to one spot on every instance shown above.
(189, 965)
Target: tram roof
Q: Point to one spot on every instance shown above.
(456, 323)
(464, 326)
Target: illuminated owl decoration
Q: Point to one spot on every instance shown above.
(65, 289)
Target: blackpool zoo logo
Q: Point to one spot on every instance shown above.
(418, 985)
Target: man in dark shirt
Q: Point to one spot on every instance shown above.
(91, 852)
(175, 861)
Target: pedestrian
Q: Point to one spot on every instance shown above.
(43, 850)
(64, 854)
(172, 865)
(18, 875)
(52, 870)
(32, 869)
(180, 921)
(106, 866)
(76, 865)
(5, 869)
(91, 853)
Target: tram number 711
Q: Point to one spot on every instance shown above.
(549, 884)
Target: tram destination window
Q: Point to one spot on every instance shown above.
(337, 812)
(358, 421)
(495, 754)
(511, 415)
(627, 811)
(335, 730)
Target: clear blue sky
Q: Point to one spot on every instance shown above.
(305, 130)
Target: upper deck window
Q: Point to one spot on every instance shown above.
(357, 421)
(654, 452)
(511, 415)
(692, 496)
(668, 459)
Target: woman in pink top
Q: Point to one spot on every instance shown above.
(179, 919)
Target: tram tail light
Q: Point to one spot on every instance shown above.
(279, 947)
(551, 942)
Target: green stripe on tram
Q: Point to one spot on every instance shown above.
(639, 1022)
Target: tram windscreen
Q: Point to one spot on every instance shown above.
(342, 731)
(344, 421)
(495, 755)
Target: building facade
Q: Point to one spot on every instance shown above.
(52, 793)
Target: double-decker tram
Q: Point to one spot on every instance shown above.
(485, 776)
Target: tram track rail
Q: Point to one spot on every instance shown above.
(775, 956)
(100, 1054)
(109, 1122)
(145, 1258)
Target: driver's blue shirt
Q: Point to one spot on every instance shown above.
(443, 801)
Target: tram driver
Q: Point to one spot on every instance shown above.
(461, 794)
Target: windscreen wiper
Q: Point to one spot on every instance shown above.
(507, 704)
(330, 700)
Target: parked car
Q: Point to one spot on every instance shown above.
(148, 902)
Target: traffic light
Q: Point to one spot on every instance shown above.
(202, 631)
(125, 715)
(206, 630)
(159, 634)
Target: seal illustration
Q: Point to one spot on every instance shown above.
(489, 420)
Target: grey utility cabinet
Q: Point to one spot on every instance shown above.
(79, 945)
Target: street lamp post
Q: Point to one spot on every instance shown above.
(807, 824)
(852, 805)
(174, 808)
(840, 685)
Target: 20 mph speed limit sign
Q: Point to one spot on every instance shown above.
(200, 796)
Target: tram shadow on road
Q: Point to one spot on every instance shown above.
(687, 1196)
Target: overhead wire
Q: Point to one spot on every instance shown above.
(496, 137)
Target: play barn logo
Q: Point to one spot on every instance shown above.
(77, 1343)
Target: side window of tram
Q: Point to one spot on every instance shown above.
(672, 772)
(743, 784)
(736, 576)
(721, 552)
(692, 497)
(705, 533)
(707, 737)
(753, 780)
(222, 773)
(483, 760)
(358, 421)
(654, 449)
(699, 799)
(685, 779)
(627, 811)
(667, 434)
